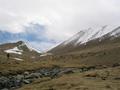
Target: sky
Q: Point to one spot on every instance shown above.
(46, 23)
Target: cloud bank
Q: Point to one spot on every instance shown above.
(60, 18)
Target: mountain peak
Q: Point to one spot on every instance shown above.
(25, 46)
(19, 47)
(20, 42)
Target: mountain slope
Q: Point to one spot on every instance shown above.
(86, 39)
(85, 36)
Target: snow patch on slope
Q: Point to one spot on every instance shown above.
(45, 54)
(14, 50)
(115, 32)
(18, 59)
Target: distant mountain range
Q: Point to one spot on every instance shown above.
(86, 47)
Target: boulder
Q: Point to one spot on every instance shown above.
(26, 81)
(33, 75)
(4, 82)
(20, 77)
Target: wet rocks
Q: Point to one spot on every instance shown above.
(33, 75)
(20, 77)
(67, 71)
(8, 82)
(49, 72)
(4, 82)
(27, 77)
(27, 81)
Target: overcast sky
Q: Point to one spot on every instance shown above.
(60, 18)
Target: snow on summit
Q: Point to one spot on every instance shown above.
(89, 34)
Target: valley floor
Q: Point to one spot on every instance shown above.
(93, 69)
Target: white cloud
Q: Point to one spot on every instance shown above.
(62, 18)
(11, 22)
(42, 46)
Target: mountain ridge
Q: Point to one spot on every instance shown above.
(77, 41)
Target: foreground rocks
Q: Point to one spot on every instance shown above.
(12, 82)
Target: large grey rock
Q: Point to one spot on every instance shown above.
(66, 71)
(44, 72)
(20, 77)
(49, 72)
(27, 81)
(4, 82)
(12, 82)
(33, 75)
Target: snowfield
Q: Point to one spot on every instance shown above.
(14, 50)
(18, 59)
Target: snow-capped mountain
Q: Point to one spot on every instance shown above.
(86, 36)
(19, 50)
(19, 46)
(33, 33)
